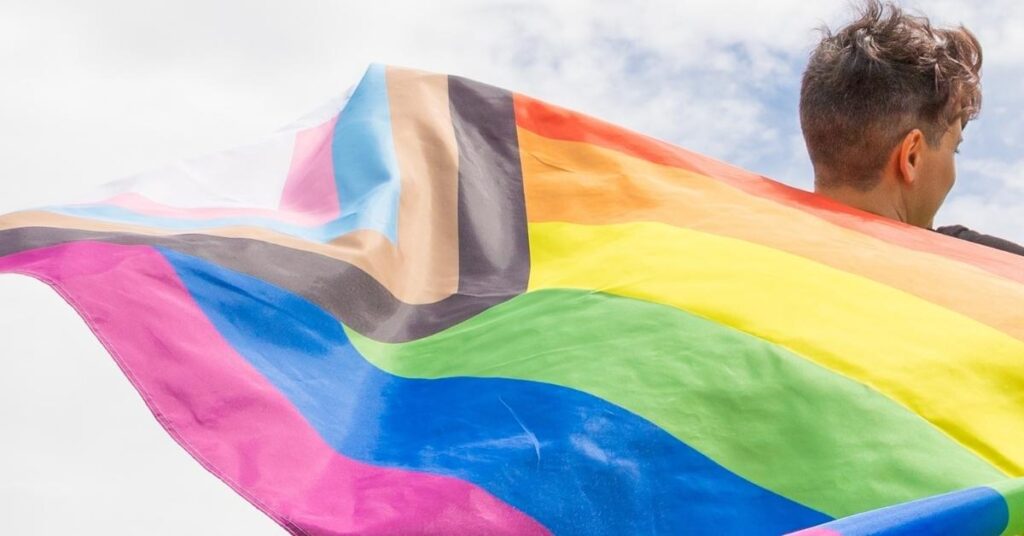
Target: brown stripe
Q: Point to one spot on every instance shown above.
(494, 251)
(492, 241)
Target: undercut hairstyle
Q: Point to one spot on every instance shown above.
(868, 84)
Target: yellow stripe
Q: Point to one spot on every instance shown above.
(963, 376)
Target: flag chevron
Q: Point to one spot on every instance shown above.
(492, 259)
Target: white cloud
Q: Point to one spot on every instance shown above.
(992, 194)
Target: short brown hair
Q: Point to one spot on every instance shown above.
(871, 82)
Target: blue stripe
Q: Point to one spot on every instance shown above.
(574, 462)
(977, 511)
(366, 175)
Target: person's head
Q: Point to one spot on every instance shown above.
(883, 101)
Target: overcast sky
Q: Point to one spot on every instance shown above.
(93, 91)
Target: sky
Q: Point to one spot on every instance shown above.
(95, 91)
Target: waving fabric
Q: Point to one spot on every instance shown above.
(442, 307)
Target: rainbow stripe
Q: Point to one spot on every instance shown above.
(448, 308)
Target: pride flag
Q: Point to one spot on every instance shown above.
(442, 307)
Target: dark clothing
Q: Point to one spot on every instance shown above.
(964, 233)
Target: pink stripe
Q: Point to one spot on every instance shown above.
(232, 420)
(815, 531)
(310, 187)
(143, 205)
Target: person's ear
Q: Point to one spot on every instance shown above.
(910, 154)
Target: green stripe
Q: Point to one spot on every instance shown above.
(1013, 492)
(761, 411)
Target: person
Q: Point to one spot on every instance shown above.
(883, 104)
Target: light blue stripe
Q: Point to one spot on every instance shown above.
(365, 165)
(320, 233)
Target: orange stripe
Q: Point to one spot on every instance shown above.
(581, 183)
(558, 123)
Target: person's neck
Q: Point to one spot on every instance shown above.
(877, 201)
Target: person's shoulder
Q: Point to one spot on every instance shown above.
(964, 233)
